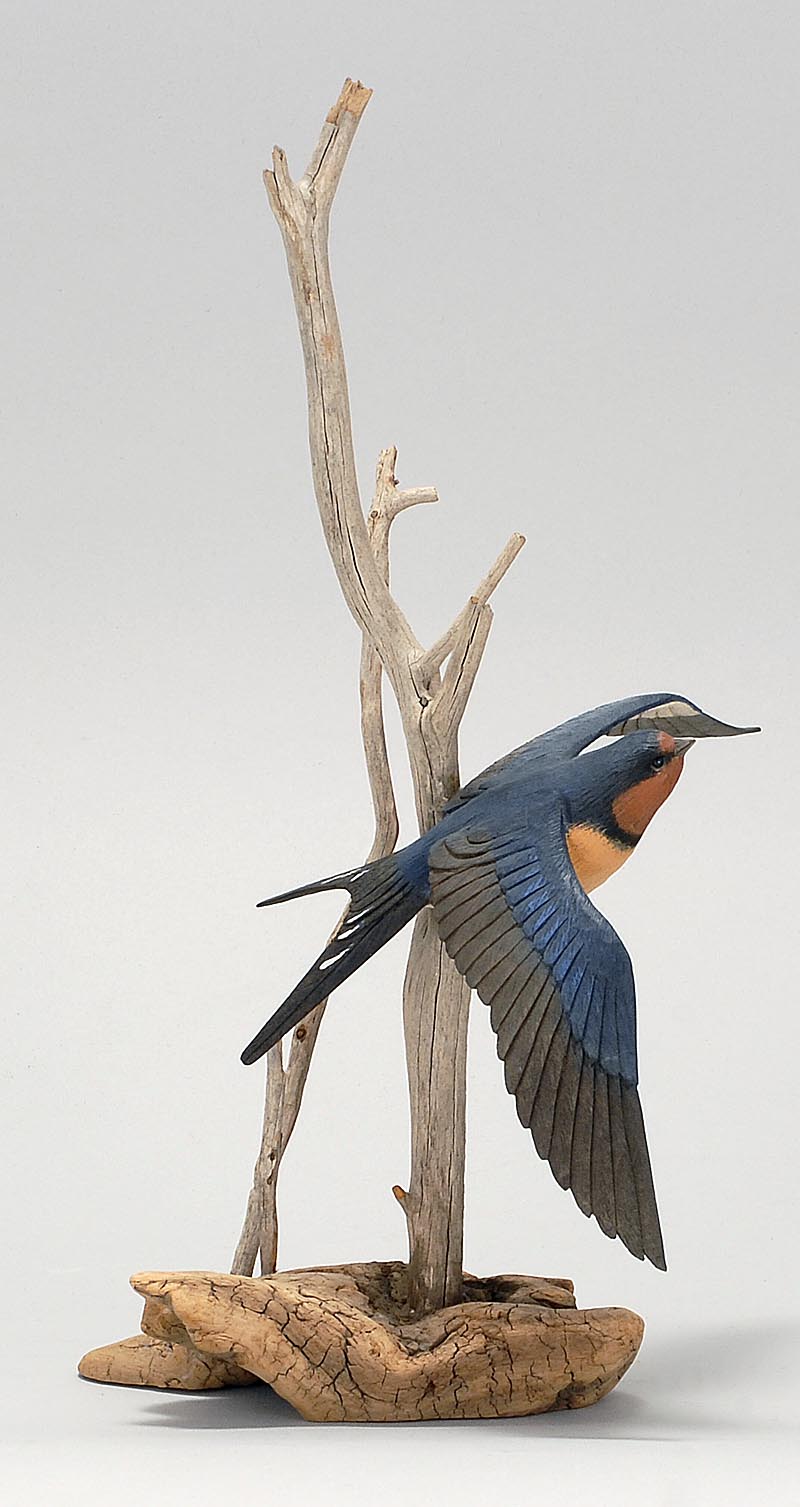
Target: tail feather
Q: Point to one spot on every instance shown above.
(336, 882)
(382, 902)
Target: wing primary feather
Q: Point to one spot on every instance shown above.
(640, 1159)
(542, 1118)
(538, 1053)
(580, 1176)
(526, 989)
(453, 914)
(625, 1198)
(504, 1000)
(609, 1051)
(564, 1114)
(518, 1054)
(468, 931)
(497, 969)
(603, 1204)
(496, 953)
(470, 953)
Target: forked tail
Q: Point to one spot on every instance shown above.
(382, 901)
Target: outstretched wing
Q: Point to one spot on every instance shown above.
(662, 711)
(559, 985)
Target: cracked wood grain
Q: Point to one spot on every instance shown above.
(339, 1345)
(173, 1364)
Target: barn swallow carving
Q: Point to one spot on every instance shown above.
(508, 871)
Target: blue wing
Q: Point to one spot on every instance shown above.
(559, 985)
(662, 711)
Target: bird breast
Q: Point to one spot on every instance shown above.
(594, 856)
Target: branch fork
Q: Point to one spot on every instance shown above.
(432, 686)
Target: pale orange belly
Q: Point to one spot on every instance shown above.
(593, 856)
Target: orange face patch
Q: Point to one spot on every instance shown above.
(635, 808)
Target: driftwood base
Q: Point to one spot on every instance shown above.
(338, 1343)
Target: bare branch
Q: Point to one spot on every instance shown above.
(304, 1039)
(373, 737)
(413, 496)
(260, 1228)
(373, 732)
(302, 210)
(431, 707)
(463, 666)
(388, 501)
(437, 654)
(285, 1085)
(328, 158)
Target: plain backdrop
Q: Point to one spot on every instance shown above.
(565, 252)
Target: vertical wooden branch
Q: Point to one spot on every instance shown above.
(431, 695)
(285, 1084)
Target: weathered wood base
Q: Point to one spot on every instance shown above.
(338, 1343)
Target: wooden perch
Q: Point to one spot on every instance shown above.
(377, 1340)
(337, 1343)
(432, 697)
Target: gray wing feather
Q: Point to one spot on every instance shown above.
(558, 985)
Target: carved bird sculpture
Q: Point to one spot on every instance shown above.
(508, 870)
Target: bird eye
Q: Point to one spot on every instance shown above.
(658, 762)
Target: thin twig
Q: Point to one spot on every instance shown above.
(437, 654)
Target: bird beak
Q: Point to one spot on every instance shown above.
(682, 746)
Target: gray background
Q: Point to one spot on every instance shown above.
(565, 254)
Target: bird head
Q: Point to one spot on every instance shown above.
(633, 777)
(651, 773)
(646, 768)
